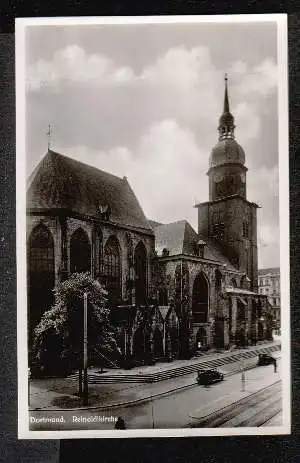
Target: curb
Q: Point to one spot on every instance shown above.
(208, 415)
(133, 402)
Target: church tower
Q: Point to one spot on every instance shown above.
(228, 219)
(227, 172)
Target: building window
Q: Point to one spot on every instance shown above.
(162, 297)
(111, 269)
(80, 252)
(41, 250)
(219, 230)
(41, 276)
(140, 266)
(245, 229)
(200, 297)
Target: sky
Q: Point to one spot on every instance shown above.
(143, 101)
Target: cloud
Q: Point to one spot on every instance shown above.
(183, 83)
(181, 68)
(167, 174)
(249, 122)
(73, 64)
(159, 125)
(166, 156)
(261, 80)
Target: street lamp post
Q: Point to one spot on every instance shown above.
(243, 379)
(152, 413)
(85, 356)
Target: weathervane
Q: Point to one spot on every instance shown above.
(49, 133)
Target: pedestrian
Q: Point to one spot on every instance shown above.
(120, 423)
(275, 366)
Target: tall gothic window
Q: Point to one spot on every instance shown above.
(80, 252)
(41, 250)
(218, 226)
(245, 229)
(140, 265)
(200, 298)
(162, 296)
(100, 250)
(40, 273)
(111, 270)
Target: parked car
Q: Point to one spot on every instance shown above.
(265, 359)
(206, 377)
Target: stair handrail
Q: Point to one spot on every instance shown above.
(108, 360)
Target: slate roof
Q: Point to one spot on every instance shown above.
(180, 238)
(59, 182)
(154, 223)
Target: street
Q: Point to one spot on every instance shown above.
(186, 407)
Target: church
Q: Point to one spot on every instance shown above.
(172, 291)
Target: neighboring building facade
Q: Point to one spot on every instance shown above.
(269, 285)
(172, 291)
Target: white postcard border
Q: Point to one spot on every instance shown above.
(23, 411)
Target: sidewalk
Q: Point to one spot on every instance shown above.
(60, 393)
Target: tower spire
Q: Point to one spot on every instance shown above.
(226, 121)
(226, 102)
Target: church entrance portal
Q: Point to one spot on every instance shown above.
(158, 344)
(141, 344)
(201, 339)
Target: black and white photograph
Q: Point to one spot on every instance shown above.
(152, 226)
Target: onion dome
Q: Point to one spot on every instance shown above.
(227, 150)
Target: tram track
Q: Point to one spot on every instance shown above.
(254, 410)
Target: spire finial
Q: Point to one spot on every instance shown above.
(226, 121)
(49, 133)
(226, 102)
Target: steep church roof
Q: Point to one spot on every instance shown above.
(59, 182)
(180, 238)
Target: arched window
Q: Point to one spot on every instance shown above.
(99, 238)
(162, 296)
(200, 299)
(218, 280)
(140, 266)
(233, 283)
(158, 344)
(80, 252)
(111, 269)
(41, 277)
(141, 345)
(129, 247)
